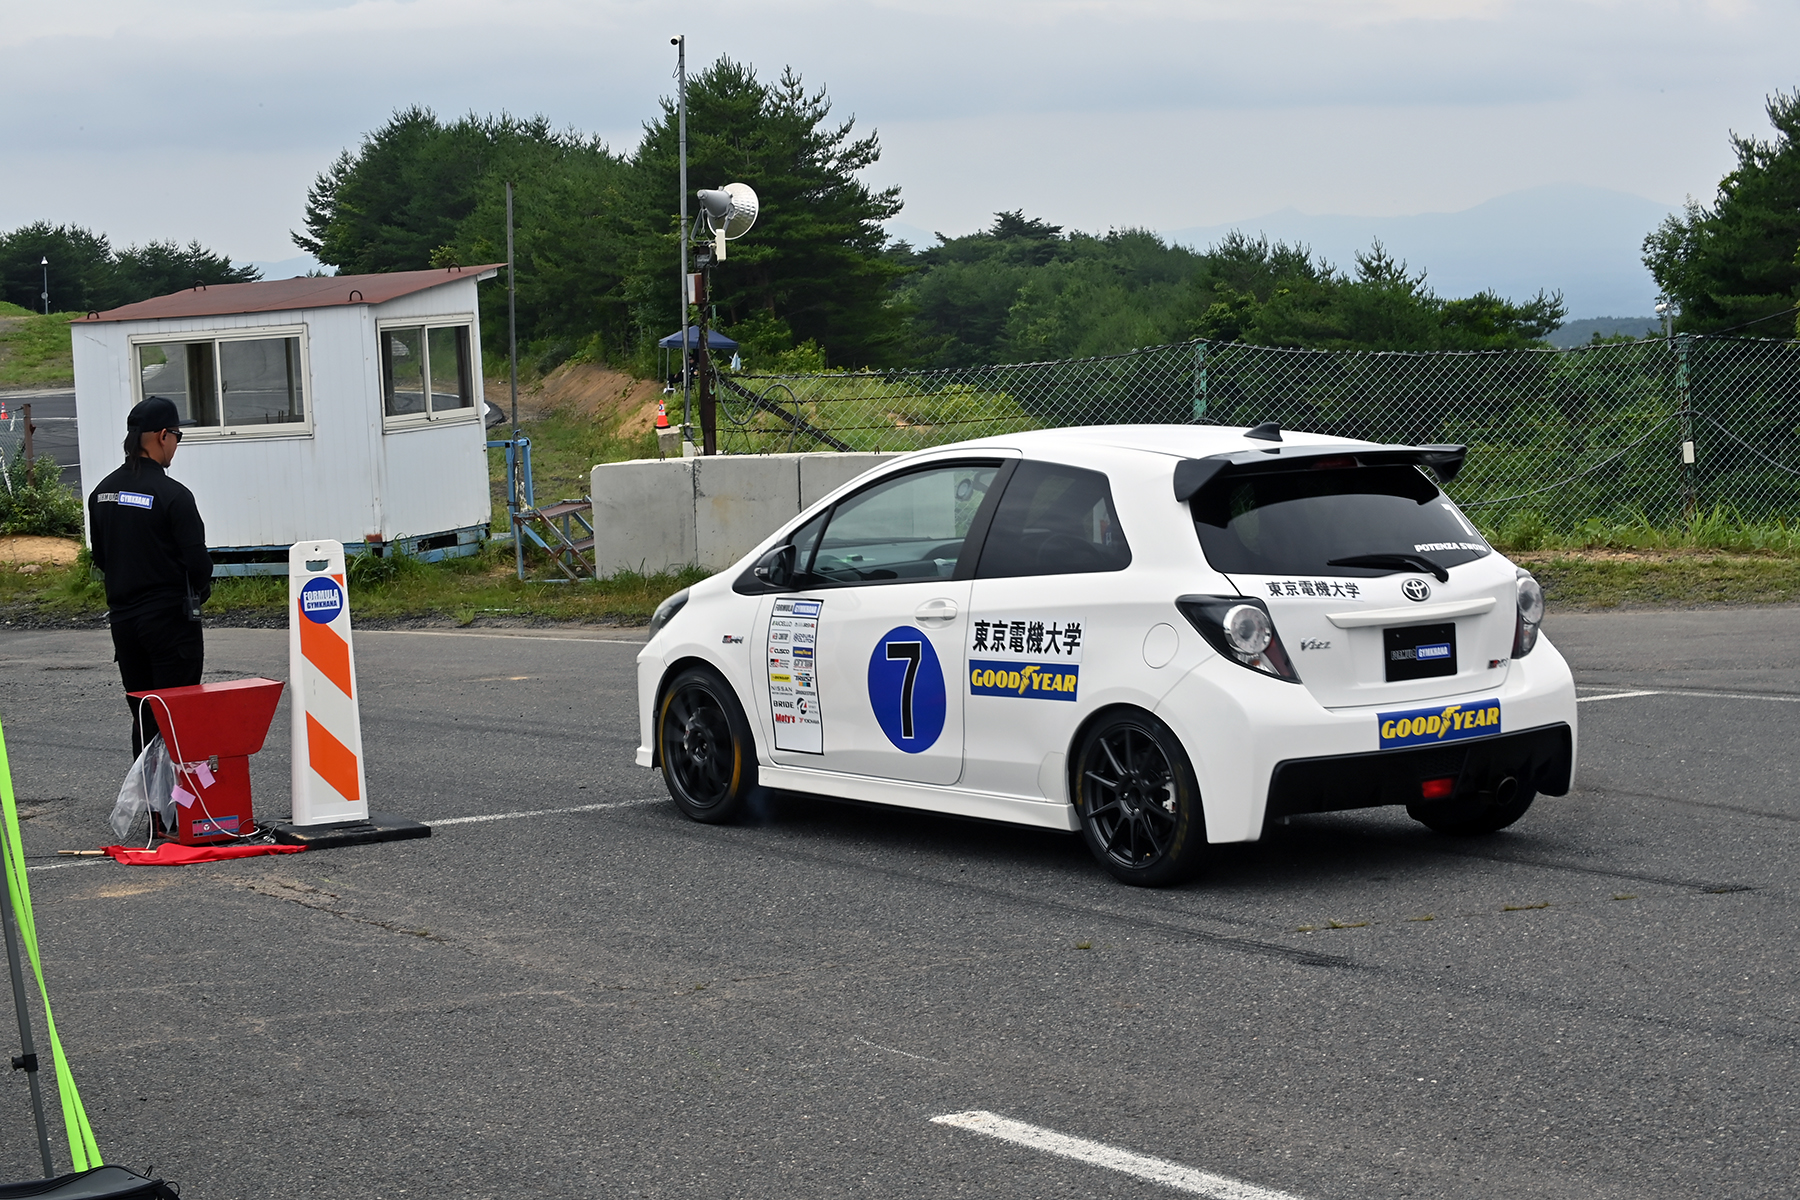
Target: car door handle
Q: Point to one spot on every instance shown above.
(941, 611)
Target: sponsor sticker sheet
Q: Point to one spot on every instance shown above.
(794, 675)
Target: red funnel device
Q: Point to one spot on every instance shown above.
(220, 725)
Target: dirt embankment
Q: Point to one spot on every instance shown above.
(587, 390)
(58, 552)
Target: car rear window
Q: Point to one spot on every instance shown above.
(1296, 522)
(1054, 520)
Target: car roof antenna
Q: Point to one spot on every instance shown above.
(1268, 431)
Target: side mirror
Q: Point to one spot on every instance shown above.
(776, 568)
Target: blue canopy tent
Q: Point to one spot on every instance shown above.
(714, 340)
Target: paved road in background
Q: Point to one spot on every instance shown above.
(600, 998)
(53, 412)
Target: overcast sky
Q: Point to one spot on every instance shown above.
(209, 118)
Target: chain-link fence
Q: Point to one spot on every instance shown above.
(1595, 432)
(12, 448)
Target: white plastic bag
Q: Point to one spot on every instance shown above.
(146, 789)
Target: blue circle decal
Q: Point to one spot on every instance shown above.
(321, 600)
(906, 689)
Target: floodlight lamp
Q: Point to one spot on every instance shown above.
(716, 203)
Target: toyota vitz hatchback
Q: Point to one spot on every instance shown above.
(1159, 636)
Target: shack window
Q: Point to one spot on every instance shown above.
(228, 386)
(425, 374)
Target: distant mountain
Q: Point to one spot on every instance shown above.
(912, 235)
(1580, 333)
(290, 268)
(1585, 241)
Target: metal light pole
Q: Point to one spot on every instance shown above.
(46, 295)
(512, 358)
(687, 379)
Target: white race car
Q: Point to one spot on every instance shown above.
(1160, 636)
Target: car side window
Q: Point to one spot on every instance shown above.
(907, 528)
(1054, 520)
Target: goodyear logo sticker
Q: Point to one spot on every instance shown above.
(1033, 681)
(1446, 723)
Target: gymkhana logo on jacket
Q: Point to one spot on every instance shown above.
(128, 499)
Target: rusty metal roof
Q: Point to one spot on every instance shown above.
(279, 295)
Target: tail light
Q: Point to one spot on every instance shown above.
(1241, 629)
(1531, 614)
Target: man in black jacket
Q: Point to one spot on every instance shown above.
(148, 539)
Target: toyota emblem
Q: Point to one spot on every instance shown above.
(1416, 589)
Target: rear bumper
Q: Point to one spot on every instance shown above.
(1541, 759)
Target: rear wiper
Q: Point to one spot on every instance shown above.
(1397, 562)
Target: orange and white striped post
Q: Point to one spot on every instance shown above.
(330, 784)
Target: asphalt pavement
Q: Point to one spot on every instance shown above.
(591, 996)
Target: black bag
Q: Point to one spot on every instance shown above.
(101, 1183)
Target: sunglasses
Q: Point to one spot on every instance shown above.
(175, 432)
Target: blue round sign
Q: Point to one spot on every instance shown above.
(321, 600)
(906, 689)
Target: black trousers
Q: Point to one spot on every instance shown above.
(155, 649)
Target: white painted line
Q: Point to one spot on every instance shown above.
(513, 637)
(1700, 695)
(1142, 1166)
(902, 1053)
(542, 812)
(78, 862)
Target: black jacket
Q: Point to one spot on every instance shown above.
(148, 538)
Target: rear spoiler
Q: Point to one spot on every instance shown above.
(1192, 474)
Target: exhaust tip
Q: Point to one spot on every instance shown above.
(1505, 790)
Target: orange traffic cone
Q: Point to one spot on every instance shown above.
(668, 440)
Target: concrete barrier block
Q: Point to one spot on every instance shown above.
(644, 516)
(824, 472)
(739, 500)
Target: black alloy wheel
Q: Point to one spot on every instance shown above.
(703, 742)
(1139, 801)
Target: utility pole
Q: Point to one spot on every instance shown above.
(687, 378)
(512, 357)
(709, 416)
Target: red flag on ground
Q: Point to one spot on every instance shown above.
(174, 854)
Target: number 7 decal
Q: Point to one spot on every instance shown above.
(906, 689)
(912, 652)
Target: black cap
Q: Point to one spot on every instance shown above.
(152, 416)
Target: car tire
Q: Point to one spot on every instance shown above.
(1482, 815)
(704, 744)
(1139, 801)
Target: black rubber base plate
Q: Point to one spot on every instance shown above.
(380, 827)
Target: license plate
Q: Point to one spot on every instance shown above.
(1442, 723)
(1419, 652)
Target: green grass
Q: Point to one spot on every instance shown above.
(1661, 579)
(564, 449)
(866, 412)
(1720, 528)
(35, 349)
(461, 590)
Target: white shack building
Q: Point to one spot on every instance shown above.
(345, 407)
